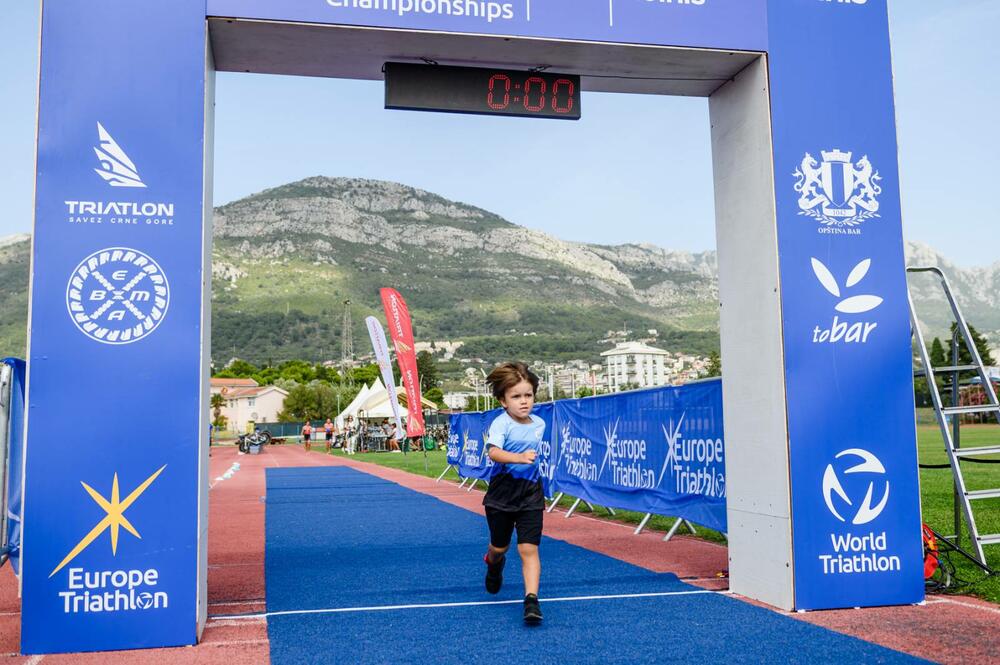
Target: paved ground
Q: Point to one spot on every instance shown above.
(947, 629)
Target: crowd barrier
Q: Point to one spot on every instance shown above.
(12, 425)
(656, 451)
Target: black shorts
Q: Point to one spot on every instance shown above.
(329, 436)
(502, 523)
(305, 437)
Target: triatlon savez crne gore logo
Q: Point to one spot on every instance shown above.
(116, 167)
(117, 295)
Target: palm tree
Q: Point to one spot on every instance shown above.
(217, 402)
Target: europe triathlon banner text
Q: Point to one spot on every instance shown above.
(546, 412)
(654, 451)
(472, 428)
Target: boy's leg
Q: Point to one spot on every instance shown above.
(501, 525)
(531, 566)
(529, 537)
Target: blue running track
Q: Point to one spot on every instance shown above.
(338, 538)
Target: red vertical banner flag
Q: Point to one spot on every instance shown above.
(397, 314)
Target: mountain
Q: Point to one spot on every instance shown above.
(285, 260)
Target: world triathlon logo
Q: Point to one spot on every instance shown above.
(873, 471)
(117, 295)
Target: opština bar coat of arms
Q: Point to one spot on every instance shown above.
(837, 192)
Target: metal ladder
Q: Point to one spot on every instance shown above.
(956, 453)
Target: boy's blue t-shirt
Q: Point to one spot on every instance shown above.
(516, 486)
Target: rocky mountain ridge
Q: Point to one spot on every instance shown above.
(306, 247)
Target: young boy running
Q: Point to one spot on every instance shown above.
(515, 498)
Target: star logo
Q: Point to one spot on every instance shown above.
(114, 519)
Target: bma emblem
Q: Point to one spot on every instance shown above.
(838, 193)
(117, 295)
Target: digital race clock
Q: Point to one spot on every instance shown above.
(479, 90)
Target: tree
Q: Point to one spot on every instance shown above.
(964, 357)
(714, 364)
(217, 402)
(484, 403)
(301, 404)
(436, 395)
(365, 374)
(239, 369)
(938, 356)
(427, 370)
(326, 401)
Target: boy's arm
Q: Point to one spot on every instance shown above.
(506, 457)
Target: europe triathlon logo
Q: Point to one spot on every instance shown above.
(117, 295)
(626, 458)
(117, 169)
(838, 193)
(574, 455)
(91, 591)
(695, 465)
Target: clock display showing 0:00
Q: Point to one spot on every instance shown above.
(535, 96)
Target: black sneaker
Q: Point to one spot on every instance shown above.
(494, 573)
(532, 610)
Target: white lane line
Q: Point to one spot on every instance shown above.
(217, 623)
(259, 601)
(386, 608)
(33, 660)
(937, 601)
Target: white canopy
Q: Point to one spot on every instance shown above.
(359, 399)
(378, 404)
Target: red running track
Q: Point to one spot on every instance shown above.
(950, 629)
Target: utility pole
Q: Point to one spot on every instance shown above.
(347, 341)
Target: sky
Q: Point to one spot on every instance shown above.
(630, 160)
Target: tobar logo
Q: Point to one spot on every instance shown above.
(856, 332)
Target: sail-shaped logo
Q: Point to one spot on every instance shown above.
(116, 167)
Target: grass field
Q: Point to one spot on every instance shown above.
(935, 488)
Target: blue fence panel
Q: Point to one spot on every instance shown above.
(15, 433)
(473, 428)
(455, 441)
(547, 412)
(653, 451)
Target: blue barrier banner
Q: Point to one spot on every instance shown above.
(15, 434)
(112, 544)
(653, 451)
(725, 24)
(454, 450)
(474, 463)
(855, 501)
(547, 469)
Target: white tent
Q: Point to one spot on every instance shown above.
(359, 399)
(378, 404)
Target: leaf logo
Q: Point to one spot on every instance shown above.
(854, 304)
